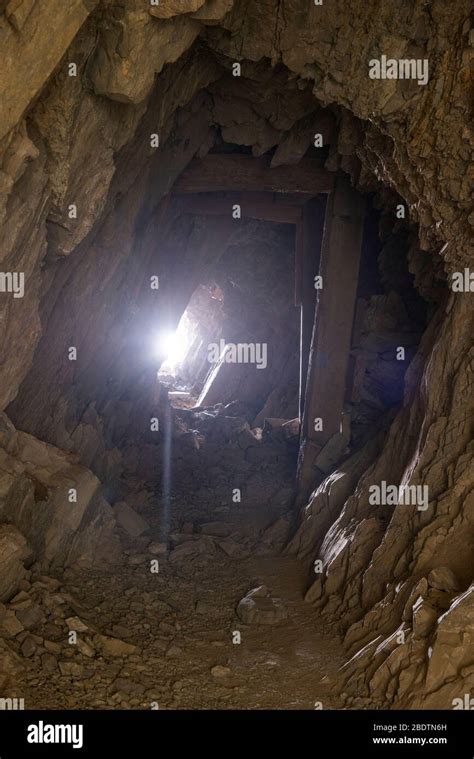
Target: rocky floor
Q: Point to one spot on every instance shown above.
(202, 610)
(172, 638)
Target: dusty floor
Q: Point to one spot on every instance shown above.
(182, 621)
(160, 629)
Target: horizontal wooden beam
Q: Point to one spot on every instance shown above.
(265, 211)
(242, 173)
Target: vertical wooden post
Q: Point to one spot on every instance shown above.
(332, 330)
(312, 234)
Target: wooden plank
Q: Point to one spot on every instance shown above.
(312, 237)
(332, 331)
(278, 213)
(242, 173)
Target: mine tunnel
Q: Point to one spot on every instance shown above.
(235, 357)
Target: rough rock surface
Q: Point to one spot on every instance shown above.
(88, 242)
(14, 551)
(129, 520)
(55, 503)
(261, 608)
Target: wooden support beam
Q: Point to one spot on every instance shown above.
(331, 338)
(312, 236)
(242, 173)
(266, 211)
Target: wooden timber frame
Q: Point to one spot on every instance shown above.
(328, 215)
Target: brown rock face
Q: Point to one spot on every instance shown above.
(14, 551)
(109, 111)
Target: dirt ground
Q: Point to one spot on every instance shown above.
(183, 622)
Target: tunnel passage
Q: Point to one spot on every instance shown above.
(238, 148)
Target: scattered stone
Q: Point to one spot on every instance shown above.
(192, 549)
(46, 582)
(21, 600)
(85, 648)
(259, 607)
(30, 617)
(76, 624)
(10, 625)
(53, 631)
(52, 647)
(129, 520)
(28, 647)
(114, 646)
(11, 665)
(48, 662)
(220, 671)
(158, 549)
(71, 669)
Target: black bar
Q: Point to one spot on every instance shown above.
(165, 733)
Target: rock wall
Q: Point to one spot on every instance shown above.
(116, 101)
(52, 506)
(374, 575)
(88, 242)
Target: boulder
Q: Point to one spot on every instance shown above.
(192, 549)
(114, 646)
(259, 607)
(55, 503)
(129, 520)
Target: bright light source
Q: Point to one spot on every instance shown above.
(173, 346)
(170, 346)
